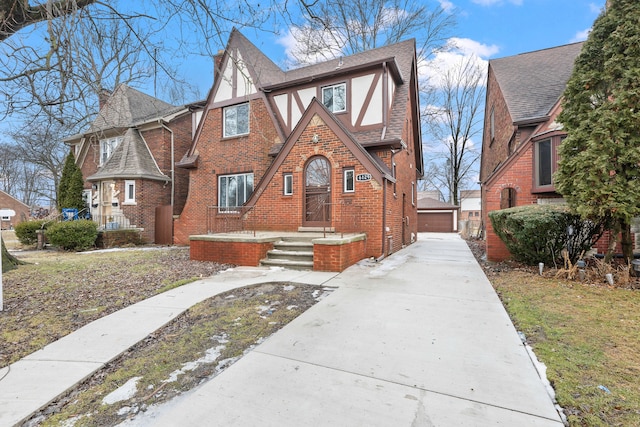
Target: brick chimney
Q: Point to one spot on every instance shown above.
(103, 96)
(217, 64)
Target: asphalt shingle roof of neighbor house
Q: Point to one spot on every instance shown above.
(127, 106)
(131, 159)
(429, 203)
(532, 82)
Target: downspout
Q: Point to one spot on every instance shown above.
(173, 167)
(384, 218)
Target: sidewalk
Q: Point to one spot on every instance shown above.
(33, 382)
(419, 339)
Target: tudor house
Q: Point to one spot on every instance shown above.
(127, 158)
(334, 146)
(521, 137)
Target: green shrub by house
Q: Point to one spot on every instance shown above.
(73, 235)
(26, 231)
(538, 233)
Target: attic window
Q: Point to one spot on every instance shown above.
(236, 120)
(335, 97)
(107, 147)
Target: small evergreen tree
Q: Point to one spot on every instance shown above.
(71, 186)
(599, 170)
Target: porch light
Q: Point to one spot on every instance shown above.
(315, 138)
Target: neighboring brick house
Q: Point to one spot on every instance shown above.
(128, 156)
(23, 213)
(521, 136)
(331, 146)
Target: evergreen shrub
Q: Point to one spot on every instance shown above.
(26, 231)
(539, 233)
(73, 235)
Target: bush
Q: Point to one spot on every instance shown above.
(26, 231)
(539, 233)
(73, 235)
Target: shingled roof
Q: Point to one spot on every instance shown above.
(533, 82)
(130, 160)
(126, 107)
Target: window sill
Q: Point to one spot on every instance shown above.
(230, 137)
(129, 204)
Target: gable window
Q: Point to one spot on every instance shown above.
(288, 184)
(236, 120)
(349, 181)
(545, 163)
(130, 192)
(335, 97)
(234, 190)
(107, 147)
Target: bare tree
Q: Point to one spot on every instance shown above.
(332, 28)
(454, 122)
(9, 169)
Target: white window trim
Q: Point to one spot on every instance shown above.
(231, 209)
(224, 120)
(127, 199)
(287, 177)
(333, 87)
(347, 172)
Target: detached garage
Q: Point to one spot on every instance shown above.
(436, 216)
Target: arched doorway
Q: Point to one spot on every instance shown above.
(317, 193)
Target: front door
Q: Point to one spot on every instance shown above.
(317, 198)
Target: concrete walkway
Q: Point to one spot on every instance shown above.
(419, 339)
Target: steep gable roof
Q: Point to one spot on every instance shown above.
(429, 203)
(131, 159)
(533, 82)
(127, 106)
(371, 163)
(5, 195)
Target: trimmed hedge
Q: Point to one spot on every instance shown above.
(539, 233)
(73, 235)
(26, 231)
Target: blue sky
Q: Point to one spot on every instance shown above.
(487, 28)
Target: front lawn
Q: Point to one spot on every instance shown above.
(588, 336)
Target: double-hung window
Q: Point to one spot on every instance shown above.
(335, 97)
(236, 120)
(107, 147)
(234, 190)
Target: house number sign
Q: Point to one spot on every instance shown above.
(363, 177)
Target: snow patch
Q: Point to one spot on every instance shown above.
(289, 288)
(210, 356)
(388, 265)
(124, 392)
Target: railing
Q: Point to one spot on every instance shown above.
(345, 219)
(113, 222)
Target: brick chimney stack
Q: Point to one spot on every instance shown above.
(217, 64)
(103, 96)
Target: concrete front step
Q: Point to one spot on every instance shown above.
(285, 263)
(296, 255)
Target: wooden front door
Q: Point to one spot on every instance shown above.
(317, 193)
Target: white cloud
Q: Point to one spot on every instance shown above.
(581, 35)
(460, 50)
(447, 6)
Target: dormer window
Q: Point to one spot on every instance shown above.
(107, 147)
(335, 97)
